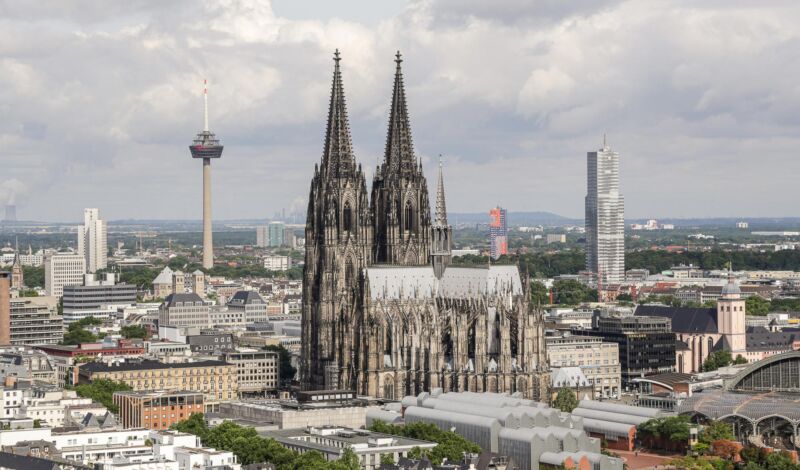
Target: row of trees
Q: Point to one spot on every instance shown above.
(565, 292)
(450, 445)
(718, 359)
(251, 448)
(547, 264)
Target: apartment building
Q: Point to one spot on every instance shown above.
(63, 269)
(217, 380)
(35, 320)
(597, 360)
(157, 410)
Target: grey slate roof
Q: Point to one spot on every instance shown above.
(246, 297)
(767, 341)
(94, 367)
(684, 319)
(175, 300)
(409, 282)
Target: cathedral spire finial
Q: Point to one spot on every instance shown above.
(399, 157)
(441, 209)
(337, 158)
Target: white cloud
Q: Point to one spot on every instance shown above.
(99, 100)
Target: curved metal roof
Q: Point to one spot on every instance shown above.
(610, 416)
(607, 428)
(615, 408)
(754, 407)
(756, 366)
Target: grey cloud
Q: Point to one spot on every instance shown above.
(98, 101)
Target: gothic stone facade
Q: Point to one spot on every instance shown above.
(384, 313)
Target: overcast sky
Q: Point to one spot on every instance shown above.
(100, 99)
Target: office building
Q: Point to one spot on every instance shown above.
(289, 238)
(206, 146)
(63, 269)
(605, 218)
(184, 310)
(598, 360)
(96, 298)
(257, 371)
(157, 410)
(262, 236)
(646, 344)
(250, 304)
(277, 262)
(92, 241)
(498, 233)
(277, 232)
(35, 320)
(216, 379)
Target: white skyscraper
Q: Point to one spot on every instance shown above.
(605, 217)
(92, 242)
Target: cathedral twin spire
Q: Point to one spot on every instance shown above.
(399, 158)
(338, 159)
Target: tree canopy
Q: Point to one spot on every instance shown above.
(450, 445)
(76, 334)
(102, 390)
(566, 400)
(674, 428)
(250, 448)
(133, 331)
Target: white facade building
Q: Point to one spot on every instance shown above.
(277, 262)
(605, 218)
(92, 241)
(63, 269)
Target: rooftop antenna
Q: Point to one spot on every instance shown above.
(205, 105)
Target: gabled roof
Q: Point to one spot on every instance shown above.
(684, 319)
(164, 277)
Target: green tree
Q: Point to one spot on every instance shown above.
(571, 292)
(287, 370)
(674, 428)
(539, 294)
(716, 360)
(716, 431)
(33, 275)
(387, 459)
(755, 305)
(28, 293)
(133, 331)
(739, 360)
(566, 400)
(76, 334)
(102, 390)
(624, 298)
(37, 423)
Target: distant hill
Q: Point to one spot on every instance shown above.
(514, 218)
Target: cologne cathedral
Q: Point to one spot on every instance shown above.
(385, 313)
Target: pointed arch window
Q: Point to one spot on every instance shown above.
(347, 217)
(409, 216)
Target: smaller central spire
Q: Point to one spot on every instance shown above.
(441, 209)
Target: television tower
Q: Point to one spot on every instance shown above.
(206, 146)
